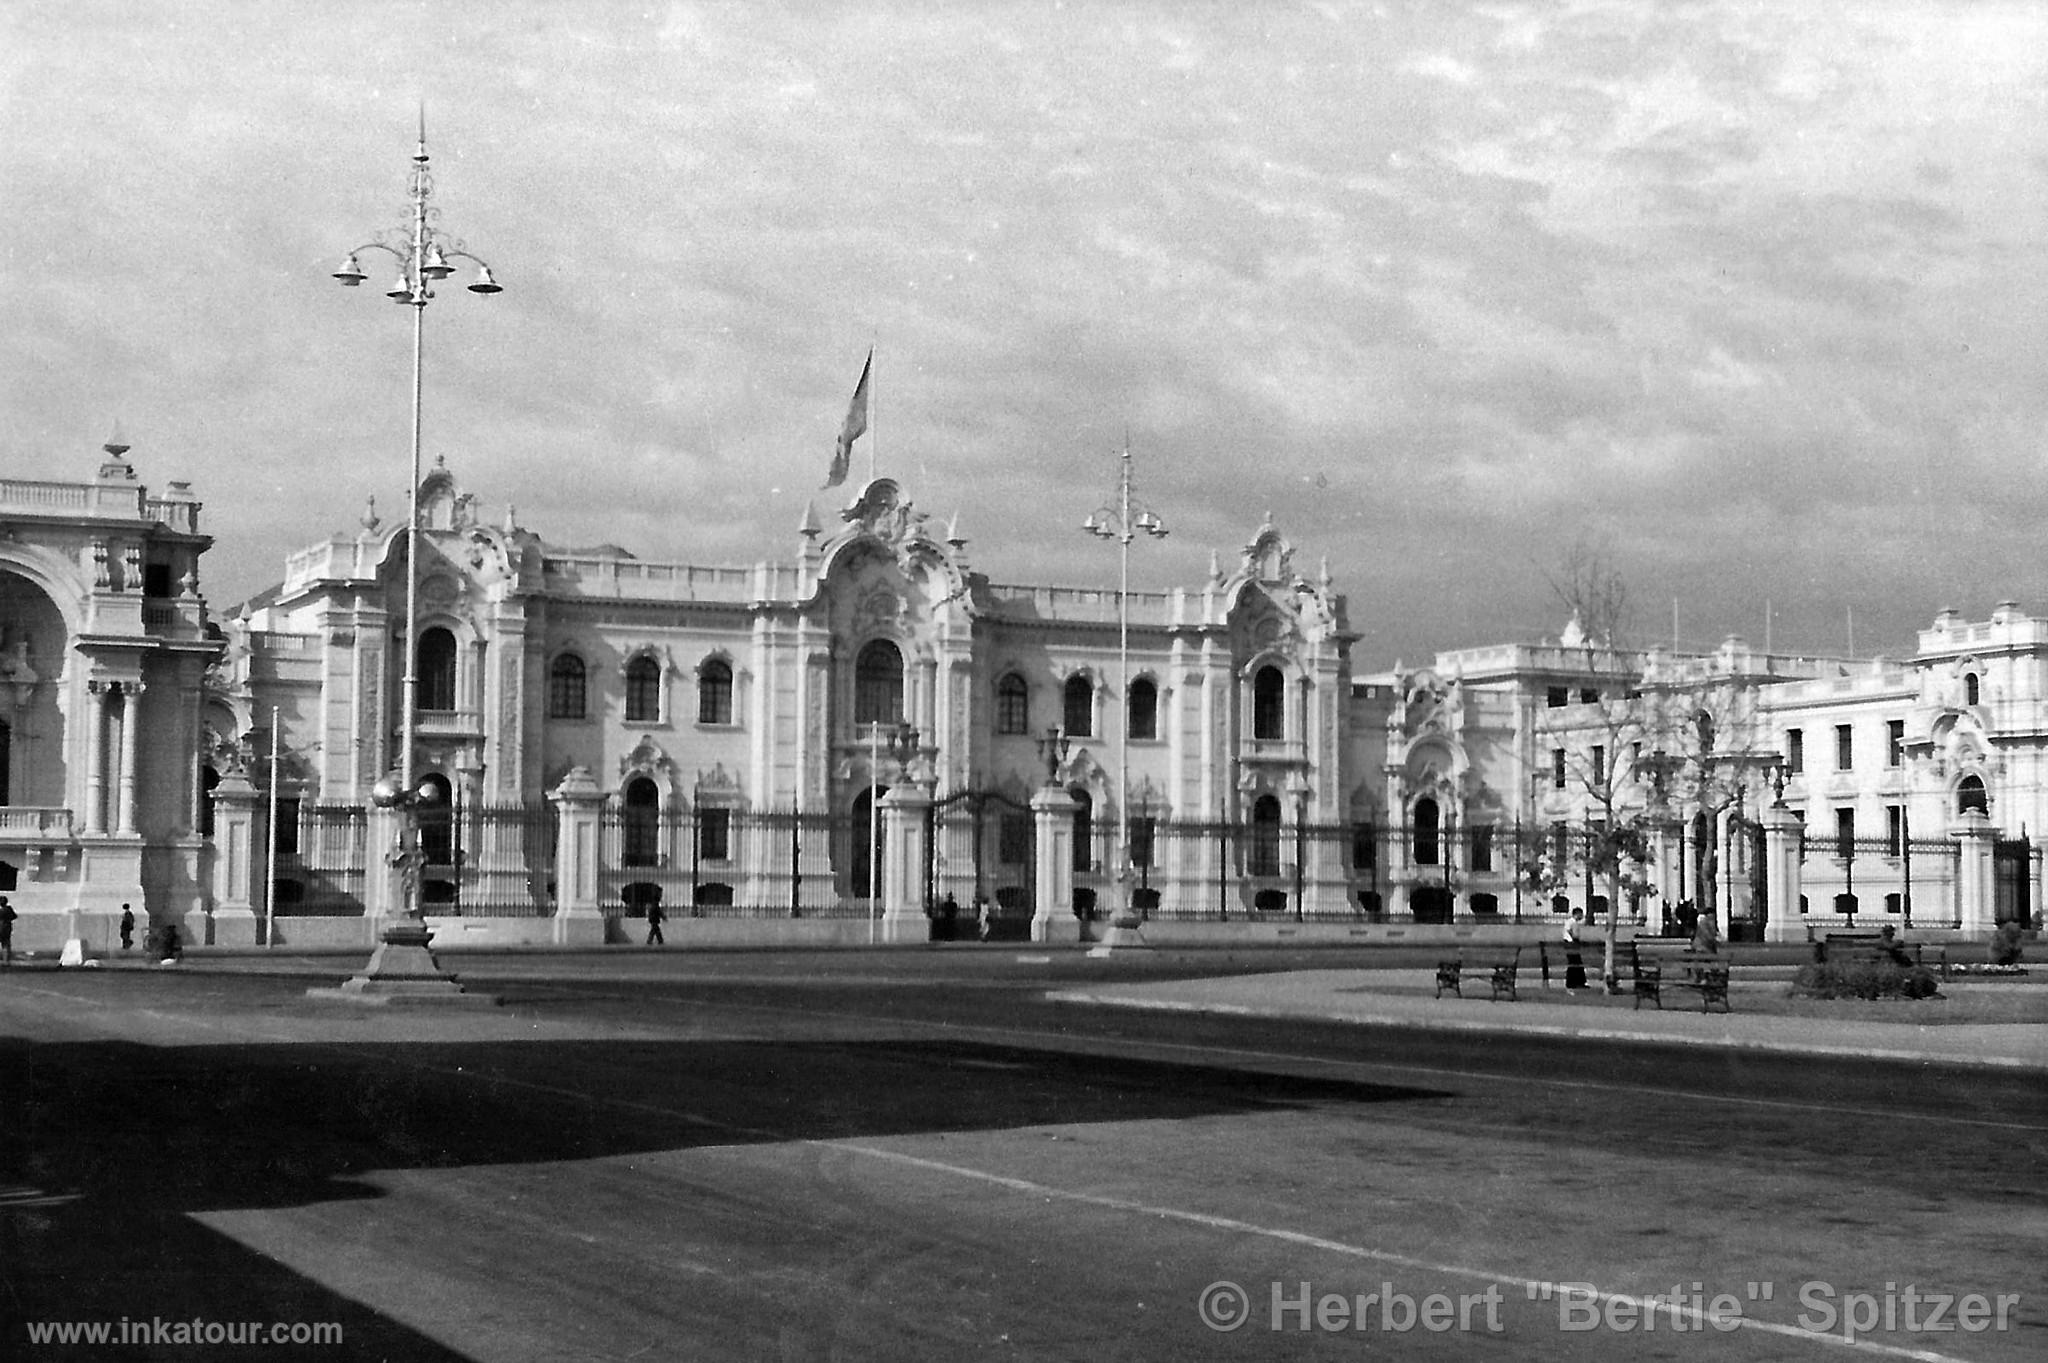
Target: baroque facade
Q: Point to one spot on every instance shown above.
(702, 702)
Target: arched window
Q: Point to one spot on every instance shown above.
(640, 829)
(878, 684)
(714, 692)
(436, 670)
(1013, 705)
(1078, 712)
(568, 688)
(1971, 689)
(1970, 795)
(1269, 704)
(1265, 848)
(1427, 821)
(867, 843)
(1144, 709)
(1084, 829)
(643, 691)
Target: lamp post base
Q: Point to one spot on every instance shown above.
(403, 971)
(1125, 933)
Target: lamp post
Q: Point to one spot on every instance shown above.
(1123, 520)
(402, 966)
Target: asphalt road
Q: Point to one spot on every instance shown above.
(906, 1155)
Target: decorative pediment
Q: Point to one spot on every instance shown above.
(718, 783)
(647, 759)
(883, 511)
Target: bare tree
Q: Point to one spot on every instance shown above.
(1587, 582)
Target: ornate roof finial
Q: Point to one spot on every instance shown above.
(117, 444)
(369, 521)
(953, 535)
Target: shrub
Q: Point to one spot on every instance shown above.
(1863, 980)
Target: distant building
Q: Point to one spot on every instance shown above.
(104, 648)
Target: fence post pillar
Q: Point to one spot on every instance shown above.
(237, 866)
(904, 849)
(1052, 817)
(579, 916)
(1976, 883)
(1781, 876)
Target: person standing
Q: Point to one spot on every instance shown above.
(1574, 960)
(655, 918)
(7, 917)
(127, 927)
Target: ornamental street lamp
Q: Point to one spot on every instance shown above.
(1123, 520)
(402, 966)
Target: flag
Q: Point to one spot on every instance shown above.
(851, 429)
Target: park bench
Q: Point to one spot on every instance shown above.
(1704, 973)
(1499, 966)
(1851, 948)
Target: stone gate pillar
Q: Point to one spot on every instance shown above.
(579, 881)
(238, 864)
(1782, 886)
(1976, 882)
(1052, 915)
(905, 849)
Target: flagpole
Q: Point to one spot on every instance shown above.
(874, 426)
(874, 799)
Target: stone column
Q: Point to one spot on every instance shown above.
(95, 757)
(237, 863)
(904, 848)
(131, 716)
(1052, 814)
(1782, 885)
(579, 917)
(1976, 884)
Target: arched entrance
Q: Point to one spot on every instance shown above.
(1432, 903)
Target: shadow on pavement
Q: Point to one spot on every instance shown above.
(111, 1145)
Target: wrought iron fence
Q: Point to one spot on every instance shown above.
(322, 854)
(1908, 880)
(712, 862)
(488, 861)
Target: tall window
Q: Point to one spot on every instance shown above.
(1971, 690)
(1142, 835)
(1845, 747)
(1795, 751)
(878, 684)
(437, 820)
(643, 691)
(1427, 821)
(1557, 768)
(714, 834)
(568, 688)
(1084, 829)
(1845, 834)
(1013, 705)
(1077, 712)
(1365, 846)
(1269, 704)
(436, 670)
(1482, 847)
(1599, 764)
(714, 692)
(1144, 709)
(641, 826)
(1895, 829)
(1265, 848)
(1895, 743)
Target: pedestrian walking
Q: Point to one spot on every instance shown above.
(655, 918)
(7, 917)
(985, 917)
(127, 927)
(170, 941)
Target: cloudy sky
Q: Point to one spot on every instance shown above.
(1755, 294)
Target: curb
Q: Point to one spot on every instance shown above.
(1723, 1042)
